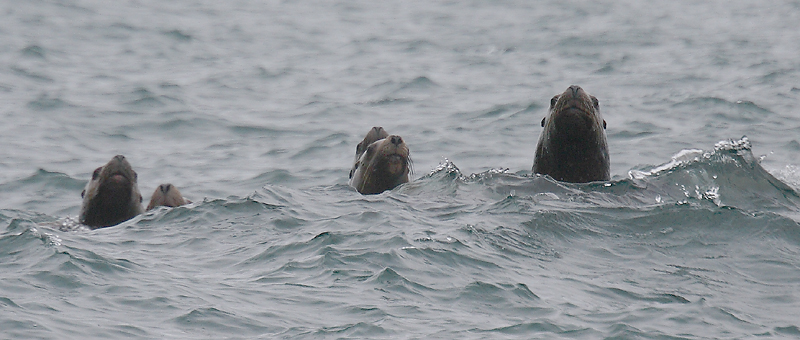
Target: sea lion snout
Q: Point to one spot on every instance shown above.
(392, 146)
(377, 130)
(396, 164)
(119, 179)
(396, 140)
(576, 90)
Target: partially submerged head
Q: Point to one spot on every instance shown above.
(573, 145)
(166, 195)
(382, 162)
(112, 195)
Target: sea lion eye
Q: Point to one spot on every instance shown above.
(135, 176)
(83, 193)
(97, 172)
(604, 123)
(543, 119)
(595, 103)
(360, 148)
(371, 150)
(553, 102)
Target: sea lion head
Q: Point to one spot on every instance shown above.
(574, 114)
(374, 134)
(573, 145)
(382, 165)
(112, 195)
(167, 195)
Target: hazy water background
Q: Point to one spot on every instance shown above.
(254, 108)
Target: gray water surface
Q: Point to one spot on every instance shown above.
(254, 108)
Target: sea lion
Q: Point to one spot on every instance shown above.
(573, 146)
(382, 162)
(167, 195)
(112, 195)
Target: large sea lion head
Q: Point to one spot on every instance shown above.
(382, 165)
(574, 114)
(573, 145)
(112, 195)
(166, 195)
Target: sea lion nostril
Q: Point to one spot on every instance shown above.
(575, 89)
(397, 140)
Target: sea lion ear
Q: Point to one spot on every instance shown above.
(83, 193)
(140, 198)
(353, 170)
(543, 121)
(604, 124)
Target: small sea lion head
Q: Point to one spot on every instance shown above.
(166, 195)
(112, 195)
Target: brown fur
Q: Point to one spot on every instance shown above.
(382, 163)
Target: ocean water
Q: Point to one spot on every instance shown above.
(254, 108)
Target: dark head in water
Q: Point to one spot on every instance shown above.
(166, 195)
(573, 146)
(112, 195)
(382, 163)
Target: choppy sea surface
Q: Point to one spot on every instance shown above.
(254, 108)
